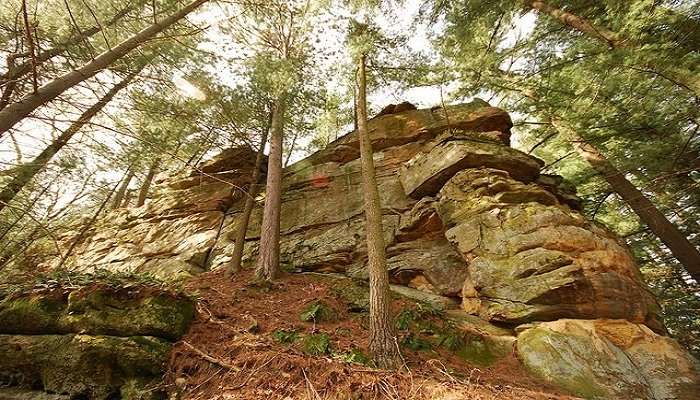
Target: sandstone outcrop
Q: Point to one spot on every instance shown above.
(608, 359)
(466, 219)
(94, 342)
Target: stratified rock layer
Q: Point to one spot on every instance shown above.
(470, 226)
(94, 342)
(609, 359)
(533, 259)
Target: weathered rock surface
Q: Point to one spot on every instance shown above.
(531, 258)
(97, 311)
(470, 226)
(94, 367)
(94, 342)
(427, 172)
(609, 359)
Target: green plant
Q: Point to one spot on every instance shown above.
(284, 336)
(404, 319)
(356, 356)
(317, 344)
(318, 311)
(415, 342)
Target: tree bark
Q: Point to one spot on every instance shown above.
(679, 76)
(234, 265)
(268, 264)
(382, 339)
(121, 192)
(146, 185)
(23, 174)
(17, 71)
(15, 112)
(678, 244)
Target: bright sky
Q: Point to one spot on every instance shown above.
(33, 136)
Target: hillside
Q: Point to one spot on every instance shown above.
(501, 287)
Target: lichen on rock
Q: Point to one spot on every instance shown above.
(471, 227)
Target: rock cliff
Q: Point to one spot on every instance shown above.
(469, 223)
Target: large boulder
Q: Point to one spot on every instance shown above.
(81, 366)
(427, 172)
(531, 258)
(609, 359)
(98, 310)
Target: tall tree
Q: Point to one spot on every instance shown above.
(147, 180)
(119, 196)
(234, 265)
(269, 250)
(686, 78)
(647, 212)
(15, 112)
(15, 71)
(382, 339)
(279, 34)
(23, 174)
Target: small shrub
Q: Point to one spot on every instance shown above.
(284, 336)
(404, 319)
(317, 344)
(318, 311)
(415, 342)
(355, 356)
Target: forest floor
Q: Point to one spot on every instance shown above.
(249, 342)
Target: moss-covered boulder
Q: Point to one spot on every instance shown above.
(94, 367)
(609, 359)
(98, 311)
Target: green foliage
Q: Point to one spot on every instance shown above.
(284, 336)
(318, 311)
(416, 343)
(317, 344)
(355, 356)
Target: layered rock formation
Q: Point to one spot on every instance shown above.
(93, 342)
(466, 219)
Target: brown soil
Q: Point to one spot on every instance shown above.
(229, 352)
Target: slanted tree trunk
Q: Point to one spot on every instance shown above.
(24, 173)
(15, 112)
(234, 265)
(647, 212)
(681, 77)
(91, 222)
(268, 263)
(382, 339)
(146, 185)
(16, 71)
(121, 192)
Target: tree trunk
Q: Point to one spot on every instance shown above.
(679, 76)
(647, 212)
(24, 173)
(382, 340)
(15, 112)
(269, 251)
(234, 265)
(146, 185)
(121, 192)
(17, 71)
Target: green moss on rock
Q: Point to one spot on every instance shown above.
(34, 314)
(98, 311)
(95, 367)
(354, 293)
